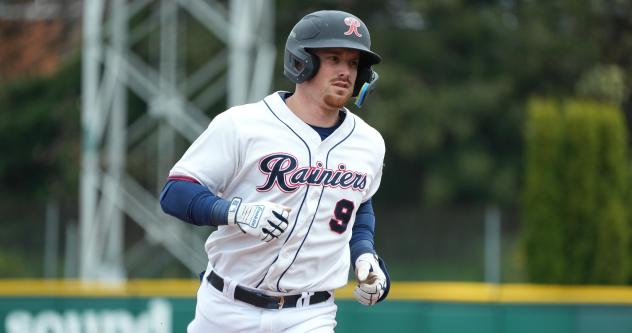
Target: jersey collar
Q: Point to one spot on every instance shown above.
(277, 105)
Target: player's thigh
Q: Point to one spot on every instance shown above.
(324, 329)
(316, 319)
(215, 312)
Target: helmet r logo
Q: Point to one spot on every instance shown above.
(353, 24)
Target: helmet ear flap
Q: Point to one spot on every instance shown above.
(300, 65)
(365, 75)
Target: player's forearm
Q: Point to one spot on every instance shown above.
(363, 232)
(193, 203)
(362, 241)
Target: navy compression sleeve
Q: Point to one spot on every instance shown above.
(362, 242)
(363, 232)
(193, 203)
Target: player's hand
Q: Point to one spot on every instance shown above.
(264, 220)
(371, 279)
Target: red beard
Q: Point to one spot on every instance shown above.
(337, 99)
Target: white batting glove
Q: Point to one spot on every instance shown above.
(264, 220)
(371, 279)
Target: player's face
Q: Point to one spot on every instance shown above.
(335, 78)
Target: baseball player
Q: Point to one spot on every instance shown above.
(288, 182)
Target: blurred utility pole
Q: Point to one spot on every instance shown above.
(492, 245)
(70, 251)
(177, 101)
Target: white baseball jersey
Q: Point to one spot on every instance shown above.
(264, 152)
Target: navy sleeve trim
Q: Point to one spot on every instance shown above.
(185, 178)
(193, 203)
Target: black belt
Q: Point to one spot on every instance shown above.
(261, 300)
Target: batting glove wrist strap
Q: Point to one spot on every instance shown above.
(264, 220)
(232, 209)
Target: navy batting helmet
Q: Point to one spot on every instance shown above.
(327, 29)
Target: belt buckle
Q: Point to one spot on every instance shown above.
(281, 302)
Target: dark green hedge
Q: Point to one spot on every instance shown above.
(577, 172)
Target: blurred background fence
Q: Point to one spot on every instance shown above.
(460, 243)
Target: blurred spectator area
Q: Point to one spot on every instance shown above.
(35, 36)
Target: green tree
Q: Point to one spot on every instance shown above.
(580, 176)
(612, 255)
(577, 183)
(545, 234)
(39, 139)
